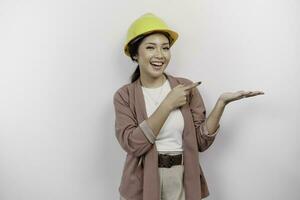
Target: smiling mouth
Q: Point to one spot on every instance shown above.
(157, 65)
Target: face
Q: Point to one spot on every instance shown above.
(153, 55)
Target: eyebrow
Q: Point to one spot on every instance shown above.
(155, 44)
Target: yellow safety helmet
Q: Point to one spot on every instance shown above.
(146, 24)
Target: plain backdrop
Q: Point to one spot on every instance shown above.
(61, 62)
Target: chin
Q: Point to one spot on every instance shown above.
(157, 74)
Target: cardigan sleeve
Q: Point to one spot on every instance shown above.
(197, 107)
(134, 138)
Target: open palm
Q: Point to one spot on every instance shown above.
(228, 97)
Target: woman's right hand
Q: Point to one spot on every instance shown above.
(178, 95)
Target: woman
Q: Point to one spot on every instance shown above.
(161, 120)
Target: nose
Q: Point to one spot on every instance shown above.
(158, 53)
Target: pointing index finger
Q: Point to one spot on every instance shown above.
(188, 87)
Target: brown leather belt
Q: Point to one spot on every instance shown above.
(167, 161)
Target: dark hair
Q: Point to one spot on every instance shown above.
(133, 47)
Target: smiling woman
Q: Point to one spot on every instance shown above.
(153, 56)
(151, 49)
(161, 120)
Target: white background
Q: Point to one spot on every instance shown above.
(62, 60)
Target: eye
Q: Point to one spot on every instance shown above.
(166, 48)
(149, 47)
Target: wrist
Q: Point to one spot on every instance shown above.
(167, 106)
(221, 102)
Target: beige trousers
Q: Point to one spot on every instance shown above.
(171, 181)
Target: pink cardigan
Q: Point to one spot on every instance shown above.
(140, 178)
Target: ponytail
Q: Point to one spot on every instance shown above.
(136, 74)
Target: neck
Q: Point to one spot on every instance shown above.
(150, 82)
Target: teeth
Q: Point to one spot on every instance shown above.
(157, 63)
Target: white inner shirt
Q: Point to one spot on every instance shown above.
(170, 135)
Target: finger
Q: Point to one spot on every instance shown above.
(245, 92)
(259, 92)
(251, 92)
(254, 94)
(188, 87)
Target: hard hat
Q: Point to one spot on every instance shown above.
(146, 24)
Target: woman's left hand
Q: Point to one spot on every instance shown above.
(228, 97)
